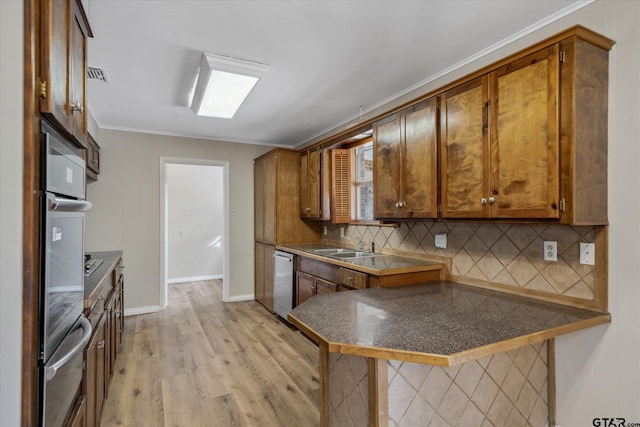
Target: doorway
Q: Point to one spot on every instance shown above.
(194, 227)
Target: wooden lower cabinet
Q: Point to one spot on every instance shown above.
(305, 287)
(77, 416)
(100, 354)
(264, 274)
(94, 379)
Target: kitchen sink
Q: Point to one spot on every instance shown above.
(353, 254)
(341, 253)
(331, 251)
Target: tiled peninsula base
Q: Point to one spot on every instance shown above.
(505, 389)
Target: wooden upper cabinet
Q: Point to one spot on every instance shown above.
(405, 163)
(464, 150)
(500, 144)
(64, 32)
(277, 200)
(311, 202)
(524, 137)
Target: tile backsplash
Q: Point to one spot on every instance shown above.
(509, 254)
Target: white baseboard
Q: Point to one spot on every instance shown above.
(238, 298)
(194, 279)
(141, 310)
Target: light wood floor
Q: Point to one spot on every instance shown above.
(202, 362)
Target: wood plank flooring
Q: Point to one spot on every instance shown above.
(202, 362)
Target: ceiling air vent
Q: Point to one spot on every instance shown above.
(94, 73)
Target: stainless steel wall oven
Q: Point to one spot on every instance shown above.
(64, 331)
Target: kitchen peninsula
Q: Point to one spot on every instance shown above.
(396, 356)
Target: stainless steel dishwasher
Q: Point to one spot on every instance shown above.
(283, 283)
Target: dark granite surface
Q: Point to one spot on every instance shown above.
(91, 283)
(381, 264)
(437, 318)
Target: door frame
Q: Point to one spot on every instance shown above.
(164, 161)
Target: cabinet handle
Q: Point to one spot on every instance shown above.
(491, 200)
(101, 344)
(483, 200)
(308, 209)
(77, 107)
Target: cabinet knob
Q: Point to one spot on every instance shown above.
(77, 107)
(491, 200)
(483, 200)
(101, 344)
(399, 205)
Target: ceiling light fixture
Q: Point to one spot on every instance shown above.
(223, 83)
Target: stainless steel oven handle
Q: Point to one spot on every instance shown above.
(68, 205)
(50, 371)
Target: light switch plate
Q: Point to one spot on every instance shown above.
(341, 232)
(587, 253)
(324, 230)
(441, 240)
(550, 250)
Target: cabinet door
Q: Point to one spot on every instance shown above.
(269, 251)
(304, 185)
(94, 373)
(259, 272)
(315, 207)
(305, 287)
(324, 287)
(464, 152)
(387, 166)
(258, 199)
(269, 213)
(77, 74)
(525, 137)
(55, 16)
(420, 169)
(109, 331)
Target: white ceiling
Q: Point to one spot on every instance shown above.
(326, 58)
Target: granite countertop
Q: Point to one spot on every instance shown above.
(438, 323)
(98, 277)
(380, 265)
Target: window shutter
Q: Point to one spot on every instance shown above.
(341, 186)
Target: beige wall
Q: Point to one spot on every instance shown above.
(11, 137)
(126, 207)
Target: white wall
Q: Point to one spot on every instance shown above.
(195, 222)
(11, 151)
(598, 374)
(126, 207)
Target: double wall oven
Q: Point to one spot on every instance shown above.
(64, 331)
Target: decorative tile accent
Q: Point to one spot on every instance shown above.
(506, 389)
(509, 254)
(348, 391)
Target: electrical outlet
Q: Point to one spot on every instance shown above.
(441, 240)
(587, 253)
(341, 232)
(550, 251)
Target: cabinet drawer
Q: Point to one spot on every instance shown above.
(319, 269)
(353, 279)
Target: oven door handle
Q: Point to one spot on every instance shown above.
(68, 205)
(50, 371)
